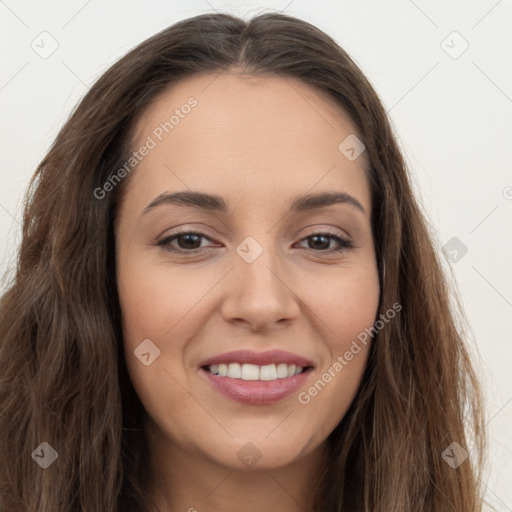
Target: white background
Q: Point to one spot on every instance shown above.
(453, 118)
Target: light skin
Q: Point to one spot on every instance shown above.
(258, 142)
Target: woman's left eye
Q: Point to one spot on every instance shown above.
(320, 238)
(191, 242)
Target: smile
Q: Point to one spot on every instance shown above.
(255, 372)
(256, 378)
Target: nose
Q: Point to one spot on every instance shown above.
(260, 294)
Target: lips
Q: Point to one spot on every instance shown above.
(256, 392)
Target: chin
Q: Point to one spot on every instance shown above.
(259, 452)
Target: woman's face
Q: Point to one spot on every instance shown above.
(255, 275)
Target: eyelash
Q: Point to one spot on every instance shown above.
(345, 243)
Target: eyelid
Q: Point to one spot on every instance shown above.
(328, 230)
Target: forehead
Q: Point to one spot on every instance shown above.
(259, 134)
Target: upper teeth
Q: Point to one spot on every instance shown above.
(255, 372)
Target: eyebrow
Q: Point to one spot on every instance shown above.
(204, 201)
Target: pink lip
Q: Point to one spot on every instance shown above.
(258, 358)
(256, 392)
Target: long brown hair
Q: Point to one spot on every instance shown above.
(63, 378)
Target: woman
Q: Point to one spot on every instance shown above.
(302, 354)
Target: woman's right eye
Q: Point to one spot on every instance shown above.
(187, 238)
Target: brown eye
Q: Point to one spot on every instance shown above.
(320, 242)
(187, 242)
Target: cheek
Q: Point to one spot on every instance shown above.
(346, 303)
(347, 308)
(154, 303)
(166, 306)
(157, 300)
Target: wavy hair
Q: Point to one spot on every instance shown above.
(63, 378)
